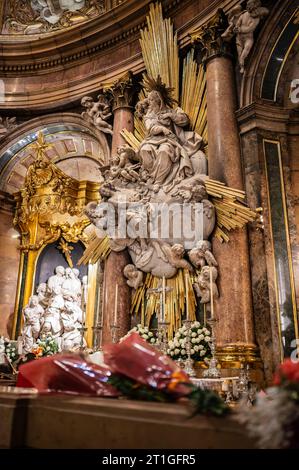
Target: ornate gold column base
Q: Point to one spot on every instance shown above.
(234, 356)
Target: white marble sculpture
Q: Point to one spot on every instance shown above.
(203, 284)
(43, 293)
(133, 275)
(168, 171)
(243, 23)
(32, 314)
(71, 319)
(56, 311)
(51, 320)
(56, 280)
(97, 112)
(52, 10)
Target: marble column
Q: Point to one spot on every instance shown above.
(123, 110)
(9, 264)
(233, 309)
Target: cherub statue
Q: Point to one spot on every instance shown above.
(202, 255)
(97, 113)
(7, 124)
(123, 166)
(133, 275)
(203, 285)
(175, 255)
(195, 192)
(32, 323)
(243, 24)
(232, 17)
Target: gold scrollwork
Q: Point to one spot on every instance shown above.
(50, 207)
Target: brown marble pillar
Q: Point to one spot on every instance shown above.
(123, 94)
(9, 264)
(233, 309)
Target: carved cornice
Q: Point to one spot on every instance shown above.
(269, 117)
(208, 37)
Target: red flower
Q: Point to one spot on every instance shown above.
(287, 371)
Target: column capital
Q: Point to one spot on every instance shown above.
(123, 91)
(208, 38)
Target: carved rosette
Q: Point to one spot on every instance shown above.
(208, 38)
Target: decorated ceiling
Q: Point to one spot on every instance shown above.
(29, 17)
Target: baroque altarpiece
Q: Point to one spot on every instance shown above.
(173, 110)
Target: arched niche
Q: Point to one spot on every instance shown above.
(80, 150)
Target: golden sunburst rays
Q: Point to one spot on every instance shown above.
(96, 249)
(231, 210)
(147, 306)
(194, 97)
(160, 49)
(161, 59)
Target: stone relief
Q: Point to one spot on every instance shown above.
(97, 112)
(169, 170)
(55, 310)
(6, 125)
(41, 16)
(242, 24)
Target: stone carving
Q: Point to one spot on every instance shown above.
(56, 280)
(168, 171)
(202, 255)
(134, 277)
(6, 125)
(43, 294)
(97, 112)
(202, 286)
(41, 16)
(122, 91)
(32, 323)
(56, 311)
(243, 24)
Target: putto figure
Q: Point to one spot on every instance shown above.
(243, 24)
(97, 112)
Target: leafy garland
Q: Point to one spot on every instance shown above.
(201, 401)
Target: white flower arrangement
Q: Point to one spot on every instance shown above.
(8, 349)
(200, 343)
(144, 332)
(45, 346)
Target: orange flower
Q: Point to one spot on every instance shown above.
(38, 351)
(177, 378)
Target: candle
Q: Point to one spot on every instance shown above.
(187, 296)
(115, 305)
(163, 301)
(142, 312)
(20, 345)
(225, 386)
(211, 293)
